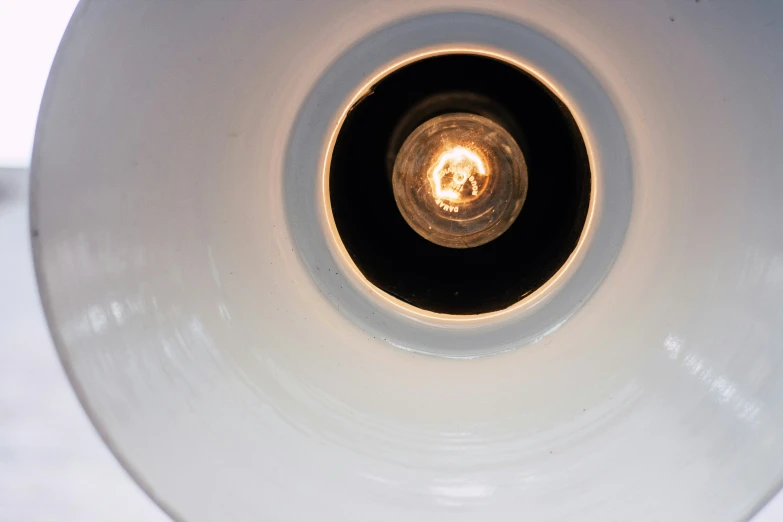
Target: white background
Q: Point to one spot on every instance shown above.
(53, 465)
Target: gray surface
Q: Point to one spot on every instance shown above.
(53, 465)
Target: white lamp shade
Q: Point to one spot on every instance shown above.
(242, 369)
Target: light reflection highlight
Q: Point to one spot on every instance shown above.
(719, 386)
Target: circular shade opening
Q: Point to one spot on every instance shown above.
(542, 224)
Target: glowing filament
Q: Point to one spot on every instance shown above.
(461, 165)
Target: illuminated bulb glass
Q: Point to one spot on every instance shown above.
(460, 180)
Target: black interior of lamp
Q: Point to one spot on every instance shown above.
(475, 280)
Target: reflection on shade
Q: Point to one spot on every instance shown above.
(456, 492)
(720, 387)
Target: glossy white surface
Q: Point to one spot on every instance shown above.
(234, 389)
(54, 467)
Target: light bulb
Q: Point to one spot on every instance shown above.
(460, 180)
